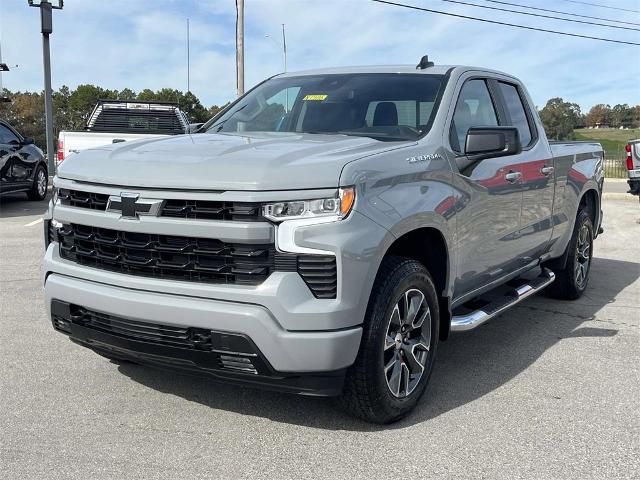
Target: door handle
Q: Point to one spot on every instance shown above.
(547, 170)
(513, 176)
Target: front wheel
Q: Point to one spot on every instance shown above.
(38, 189)
(398, 346)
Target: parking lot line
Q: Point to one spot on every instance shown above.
(35, 222)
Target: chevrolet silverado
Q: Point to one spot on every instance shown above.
(324, 232)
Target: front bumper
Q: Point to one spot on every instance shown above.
(136, 341)
(284, 351)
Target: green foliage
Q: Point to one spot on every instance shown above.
(560, 118)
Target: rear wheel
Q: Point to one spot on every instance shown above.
(572, 280)
(38, 190)
(398, 346)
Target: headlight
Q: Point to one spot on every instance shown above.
(338, 207)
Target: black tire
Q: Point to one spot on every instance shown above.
(572, 280)
(368, 392)
(37, 192)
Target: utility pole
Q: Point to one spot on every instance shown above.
(188, 53)
(284, 48)
(240, 46)
(46, 27)
(3, 68)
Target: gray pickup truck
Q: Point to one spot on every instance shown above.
(324, 232)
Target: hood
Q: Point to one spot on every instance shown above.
(256, 161)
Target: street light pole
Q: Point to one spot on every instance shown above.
(188, 59)
(46, 27)
(284, 48)
(240, 46)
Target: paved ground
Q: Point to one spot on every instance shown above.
(616, 188)
(548, 390)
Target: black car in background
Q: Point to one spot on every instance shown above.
(23, 167)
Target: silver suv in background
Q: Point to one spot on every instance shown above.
(324, 232)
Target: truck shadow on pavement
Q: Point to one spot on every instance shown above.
(468, 365)
(17, 205)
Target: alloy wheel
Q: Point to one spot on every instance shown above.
(41, 183)
(583, 256)
(406, 346)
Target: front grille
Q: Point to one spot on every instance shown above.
(166, 256)
(320, 274)
(80, 199)
(211, 210)
(187, 209)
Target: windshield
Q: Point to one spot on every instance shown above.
(384, 106)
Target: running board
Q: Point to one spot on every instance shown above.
(462, 323)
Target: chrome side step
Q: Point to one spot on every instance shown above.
(462, 323)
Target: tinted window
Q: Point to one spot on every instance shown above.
(473, 109)
(379, 105)
(515, 108)
(7, 136)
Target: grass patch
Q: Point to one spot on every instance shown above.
(612, 140)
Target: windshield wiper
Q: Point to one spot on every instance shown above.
(376, 135)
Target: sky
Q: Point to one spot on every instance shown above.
(142, 44)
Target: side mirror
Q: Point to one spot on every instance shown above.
(488, 142)
(28, 141)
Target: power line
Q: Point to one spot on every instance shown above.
(602, 6)
(459, 2)
(504, 23)
(559, 11)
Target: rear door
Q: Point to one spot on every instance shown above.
(537, 167)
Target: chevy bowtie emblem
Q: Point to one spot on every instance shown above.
(130, 205)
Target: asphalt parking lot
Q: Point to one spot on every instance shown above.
(548, 390)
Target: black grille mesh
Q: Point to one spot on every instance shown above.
(320, 274)
(167, 257)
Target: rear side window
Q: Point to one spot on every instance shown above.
(517, 114)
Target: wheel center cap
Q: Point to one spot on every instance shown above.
(398, 340)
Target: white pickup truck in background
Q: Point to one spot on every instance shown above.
(114, 121)
(633, 166)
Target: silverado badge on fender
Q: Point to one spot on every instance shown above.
(424, 158)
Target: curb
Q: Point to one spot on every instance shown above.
(615, 180)
(619, 196)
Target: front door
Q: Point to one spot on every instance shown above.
(491, 190)
(14, 172)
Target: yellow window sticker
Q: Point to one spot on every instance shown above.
(315, 97)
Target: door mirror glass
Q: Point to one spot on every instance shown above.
(488, 142)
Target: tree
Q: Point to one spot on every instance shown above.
(599, 115)
(126, 94)
(560, 118)
(622, 116)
